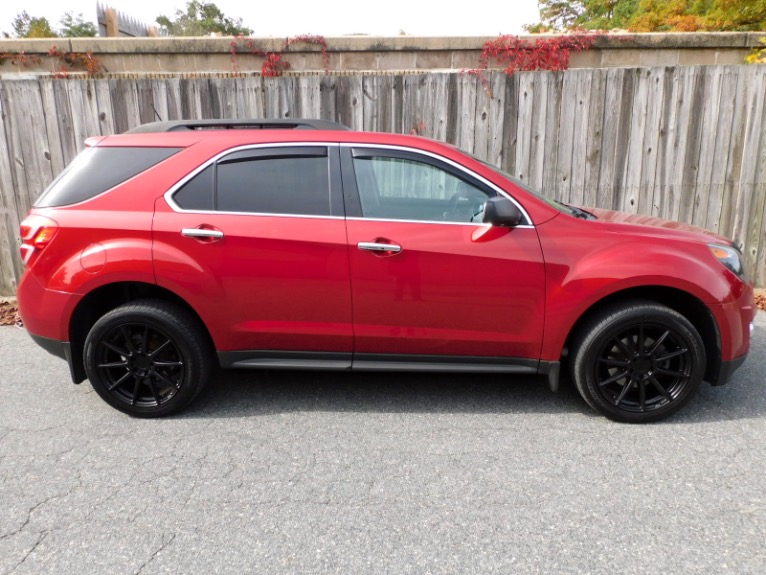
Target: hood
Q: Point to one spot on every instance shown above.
(625, 222)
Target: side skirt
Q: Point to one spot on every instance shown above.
(386, 362)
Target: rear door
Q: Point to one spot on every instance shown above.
(428, 281)
(255, 241)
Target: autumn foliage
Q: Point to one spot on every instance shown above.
(652, 15)
(274, 63)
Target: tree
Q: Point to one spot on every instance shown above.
(560, 14)
(201, 19)
(739, 15)
(25, 26)
(652, 15)
(75, 27)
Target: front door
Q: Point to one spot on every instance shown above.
(428, 281)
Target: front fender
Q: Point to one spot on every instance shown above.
(583, 269)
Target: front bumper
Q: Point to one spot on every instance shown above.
(728, 368)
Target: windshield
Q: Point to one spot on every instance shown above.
(565, 208)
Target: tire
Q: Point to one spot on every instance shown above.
(638, 361)
(148, 358)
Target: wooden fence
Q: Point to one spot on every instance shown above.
(684, 143)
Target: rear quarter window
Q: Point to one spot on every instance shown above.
(96, 170)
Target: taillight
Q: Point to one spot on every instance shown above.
(36, 233)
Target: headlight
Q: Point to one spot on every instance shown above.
(730, 257)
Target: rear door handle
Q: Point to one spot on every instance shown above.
(379, 247)
(202, 233)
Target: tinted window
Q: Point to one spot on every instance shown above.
(96, 170)
(403, 189)
(197, 193)
(275, 185)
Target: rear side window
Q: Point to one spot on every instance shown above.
(197, 193)
(96, 170)
(283, 185)
(292, 180)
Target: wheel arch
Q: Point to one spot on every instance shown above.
(692, 308)
(106, 298)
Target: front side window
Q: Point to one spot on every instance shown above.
(406, 189)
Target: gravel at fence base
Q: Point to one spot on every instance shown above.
(9, 314)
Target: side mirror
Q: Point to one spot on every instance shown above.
(500, 211)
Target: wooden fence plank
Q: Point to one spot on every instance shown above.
(173, 94)
(307, 103)
(34, 146)
(758, 229)
(349, 103)
(536, 169)
(159, 100)
(652, 136)
(749, 207)
(64, 116)
(728, 104)
(466, 111)
(629, 201)
(579, 136)
(612, 114)
(524, 112)
(51, 125)
(594, 137)
(10, 264)
(104, 106)
(734, 162)
(707, 158)
(563, 168)
(497, 109)
(696, 82)
(552, 133)
(482, 121)
(278, 93)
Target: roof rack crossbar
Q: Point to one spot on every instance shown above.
(260, 124)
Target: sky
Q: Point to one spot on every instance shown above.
(281, 18)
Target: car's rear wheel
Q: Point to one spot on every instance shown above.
(148, 358)
(638, 361)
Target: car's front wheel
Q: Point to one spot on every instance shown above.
(638, 361)
(148, 358)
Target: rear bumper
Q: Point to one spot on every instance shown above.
(45, 312)
(63, 350)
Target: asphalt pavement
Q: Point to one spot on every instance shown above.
(315, 472)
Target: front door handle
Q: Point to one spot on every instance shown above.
(202, 233)
(379, 247)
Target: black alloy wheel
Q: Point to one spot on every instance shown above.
(638, 362)
(148, 358)
(140, 364)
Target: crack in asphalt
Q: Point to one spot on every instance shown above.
(157, 552)
(40, 539)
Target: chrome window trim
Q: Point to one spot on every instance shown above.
(471, 224)
(259, 214)
(452, 163)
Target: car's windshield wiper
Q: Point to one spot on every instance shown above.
(579, 212)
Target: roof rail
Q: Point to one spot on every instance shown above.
(262, 124)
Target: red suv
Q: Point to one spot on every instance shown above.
(160, 254)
